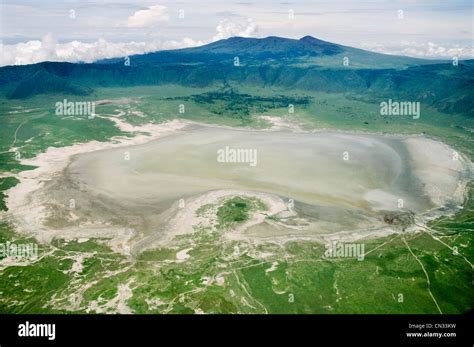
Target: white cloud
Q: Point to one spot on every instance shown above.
(422, 50)
(48, 49)
(148, 18)
(227, 28)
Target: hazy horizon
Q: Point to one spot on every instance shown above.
(89, 30)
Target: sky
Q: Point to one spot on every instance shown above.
(86, 30)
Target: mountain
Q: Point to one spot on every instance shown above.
(277, 50)
(271, 46)
(305, 64)
(43, 82)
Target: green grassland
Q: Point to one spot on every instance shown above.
(236, 210)
(233, 276)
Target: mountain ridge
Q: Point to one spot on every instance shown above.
(304, 64)
(279, 48)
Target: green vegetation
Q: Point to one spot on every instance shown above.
(233, 104)
(50, 281)
(5, 184)
(462, 223)
(33, 127)
(236, 210)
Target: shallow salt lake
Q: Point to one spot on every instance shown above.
(316, 168)
(338, 181)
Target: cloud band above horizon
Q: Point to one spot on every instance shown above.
(90, 30)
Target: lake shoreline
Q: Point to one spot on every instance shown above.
(27, 213)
